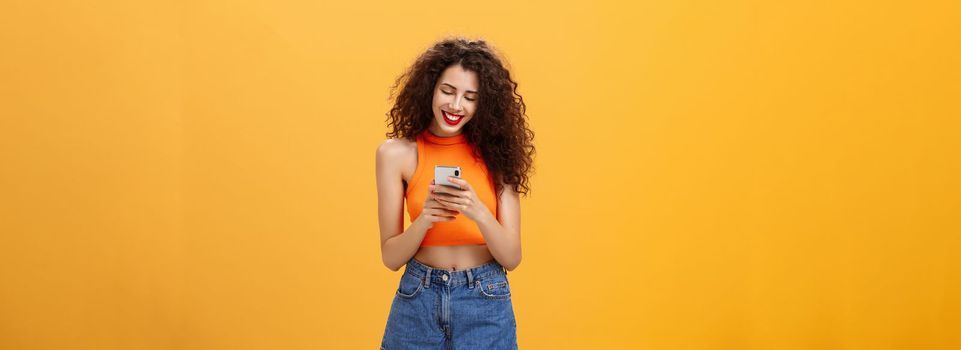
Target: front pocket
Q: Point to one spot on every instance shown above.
(410, 286)
(496, 288)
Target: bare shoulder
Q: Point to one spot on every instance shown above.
(397, 153)
(395, 148)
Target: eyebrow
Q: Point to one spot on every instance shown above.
(452, 86)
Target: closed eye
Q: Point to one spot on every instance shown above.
(449, 93)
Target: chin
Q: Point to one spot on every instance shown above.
(453, 129)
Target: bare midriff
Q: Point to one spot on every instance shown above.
(454, 257)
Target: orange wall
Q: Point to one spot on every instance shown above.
(710, 175)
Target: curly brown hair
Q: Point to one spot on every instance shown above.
(498, 132)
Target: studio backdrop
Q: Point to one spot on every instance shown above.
(199, 175)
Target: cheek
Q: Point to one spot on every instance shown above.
(439, 99)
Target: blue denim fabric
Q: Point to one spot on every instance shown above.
(444, 309)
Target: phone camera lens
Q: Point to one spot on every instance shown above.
(456, 172)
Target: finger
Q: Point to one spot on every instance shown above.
(457, 207)
(452, 207)
(449, 190)
(442, 208)
(443, 218)
(443, 199)
(442, 212)
(446, 211)
(433, 198)
(460, 182)
(440, 189)
(446, 196)
(452, 203)
(444, 205)
(433, 201)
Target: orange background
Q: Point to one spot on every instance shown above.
(710, 175)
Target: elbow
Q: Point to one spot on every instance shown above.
(513, 265)
(390, 266)
(383, 258)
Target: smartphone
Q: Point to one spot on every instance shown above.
(441, 172)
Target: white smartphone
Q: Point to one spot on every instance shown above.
(441, 172)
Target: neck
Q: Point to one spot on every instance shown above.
(438, 133)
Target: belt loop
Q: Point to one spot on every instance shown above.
(470, 279)
(427, 278)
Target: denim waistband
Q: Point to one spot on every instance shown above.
(431, 275)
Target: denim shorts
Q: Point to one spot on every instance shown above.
(445, 309)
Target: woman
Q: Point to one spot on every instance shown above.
(457, 106)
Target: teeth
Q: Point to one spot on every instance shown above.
(451, 116)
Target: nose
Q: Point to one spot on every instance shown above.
(456, 104)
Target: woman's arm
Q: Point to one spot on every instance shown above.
(396, 247)
(503, 234)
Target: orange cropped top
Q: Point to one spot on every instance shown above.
(454, 151)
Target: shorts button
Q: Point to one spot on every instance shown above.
(443, 277)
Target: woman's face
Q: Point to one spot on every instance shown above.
(455, 100)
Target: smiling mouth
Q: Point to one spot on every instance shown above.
(452, 119)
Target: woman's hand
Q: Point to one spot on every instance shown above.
(434, 211)
(464, 200)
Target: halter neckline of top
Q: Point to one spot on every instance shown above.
(444, 140)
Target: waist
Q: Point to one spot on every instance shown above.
(453, 257)
(452, 277)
